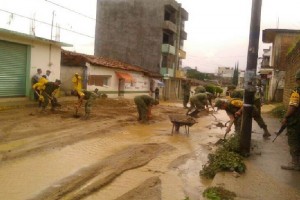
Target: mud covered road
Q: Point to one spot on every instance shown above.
(110, 156)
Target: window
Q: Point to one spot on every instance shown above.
(98, 80)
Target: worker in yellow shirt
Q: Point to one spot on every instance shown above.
(39, 87)
(77, 82)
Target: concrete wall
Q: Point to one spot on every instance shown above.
(40, 59)
(67, 73)
(41, 55)
(140, 86)
(130, 31)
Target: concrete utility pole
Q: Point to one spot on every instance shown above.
(250, 77)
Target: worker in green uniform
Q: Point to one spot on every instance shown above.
(186, 89)
(292, 121)
(89, 96)
(199, 102)
(234, 108)
(144, 105)
(199, 89)
(48, 94)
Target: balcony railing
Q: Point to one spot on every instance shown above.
(169, 26)
(166, 48)
(184, 14)
(165, 70)
(182, 54)
(180, 74)
(183, 35)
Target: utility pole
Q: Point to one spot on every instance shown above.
(250, 78)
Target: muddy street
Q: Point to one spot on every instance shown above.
(110, 156)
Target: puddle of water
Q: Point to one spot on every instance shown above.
(25, 177)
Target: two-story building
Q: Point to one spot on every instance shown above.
(282, 40)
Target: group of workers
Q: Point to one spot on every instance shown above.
(233, 107)
(46, 90)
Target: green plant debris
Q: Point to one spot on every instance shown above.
(218, 193)
(232, 144)
(222, 160)
(279, 111)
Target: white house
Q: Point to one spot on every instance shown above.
(114, 78)
(20, 57)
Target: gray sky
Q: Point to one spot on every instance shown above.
(218, 30)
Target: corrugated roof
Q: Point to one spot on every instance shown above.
(69, 58)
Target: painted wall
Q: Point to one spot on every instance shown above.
(46, 57)
(140, 86)
(39, 57)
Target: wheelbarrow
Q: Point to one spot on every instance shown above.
(181, 120)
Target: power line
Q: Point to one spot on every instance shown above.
(47, 23)
(74, 11)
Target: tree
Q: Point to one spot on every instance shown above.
(195, 74)
(235, 78)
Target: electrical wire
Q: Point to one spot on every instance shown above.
(46, 23)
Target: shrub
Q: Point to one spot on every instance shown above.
(219, 90)
(210, 88)
(238, 94)
(200, 89)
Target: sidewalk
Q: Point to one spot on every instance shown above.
(264, 179)
(8, 103)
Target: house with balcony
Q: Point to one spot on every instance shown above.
(149, 35)
(275, 62)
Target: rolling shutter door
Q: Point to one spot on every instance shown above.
(13, 60)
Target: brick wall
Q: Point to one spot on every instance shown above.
(293, 60)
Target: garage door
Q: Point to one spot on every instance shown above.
(13, 60)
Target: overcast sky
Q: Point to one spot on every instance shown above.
(218, 30)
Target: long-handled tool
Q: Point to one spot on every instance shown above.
(280, 131)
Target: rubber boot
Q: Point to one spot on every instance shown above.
(294, 165)
(266, 133)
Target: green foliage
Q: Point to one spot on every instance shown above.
(239, 94)
(235, 78)
(200, 89)
(210, 88)
(231, 87)
(223, 160)
(219, 90)
(279, 111)
(195, 74)
(232, 144)
(218, 193)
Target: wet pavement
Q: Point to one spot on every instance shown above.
(178, 167)
(264, 178)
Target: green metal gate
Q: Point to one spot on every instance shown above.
(13, 60)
